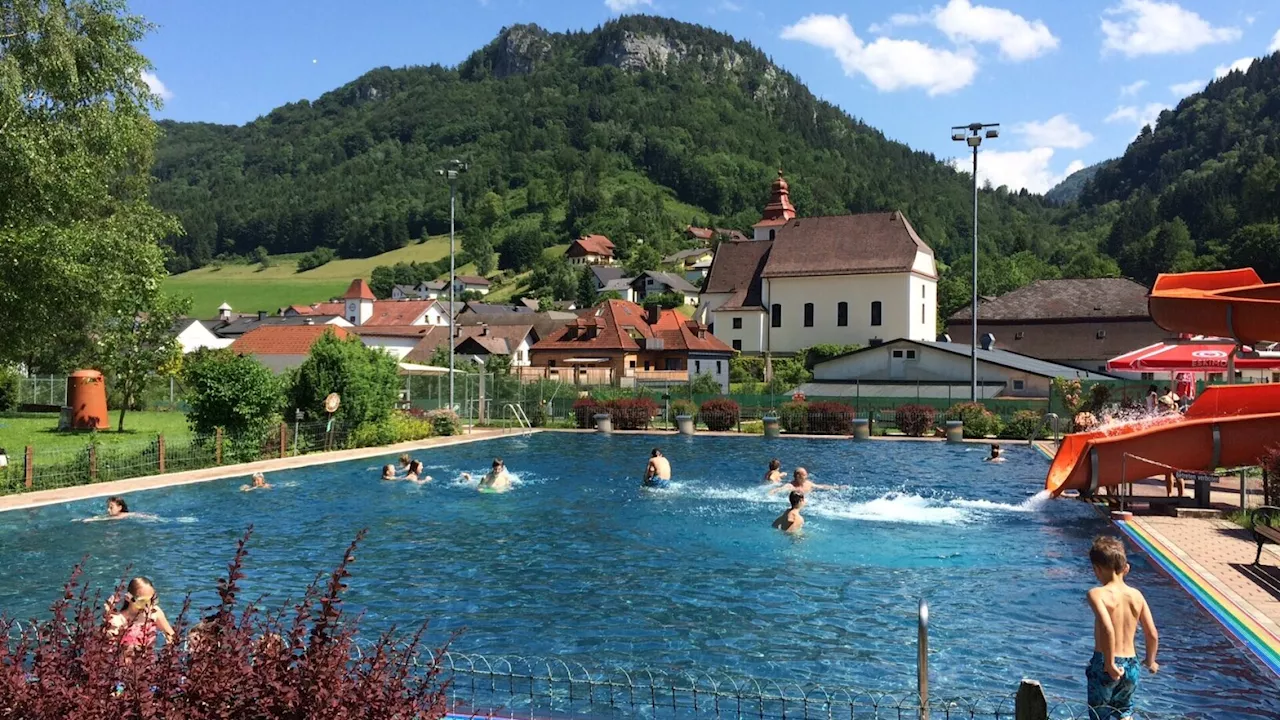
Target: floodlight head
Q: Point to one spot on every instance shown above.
(958, 137)
(974, 140)
(975, 127)
(993, 133)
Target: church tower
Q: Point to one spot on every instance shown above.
(777, 212)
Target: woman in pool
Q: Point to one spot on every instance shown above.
(411, 466)
(117, 508)
(774, 475)
(389, 472)
(259, 483)
(137, 617)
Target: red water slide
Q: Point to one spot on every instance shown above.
(1228, 425)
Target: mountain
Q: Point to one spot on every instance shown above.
(1072, 185)
(1200, 190)
(632, 130)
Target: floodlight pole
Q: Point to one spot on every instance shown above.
(451, 172)
(972, 135)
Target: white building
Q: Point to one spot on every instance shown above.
(195, 335)
(657, 283)
(590, 250)
(849, 279)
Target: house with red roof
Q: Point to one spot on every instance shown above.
(621, 343)
(590, 250)
(803, 281)
(282, 347)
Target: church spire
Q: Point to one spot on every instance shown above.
(778, 211)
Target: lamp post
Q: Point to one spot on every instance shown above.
(973, 135)
(450, 172)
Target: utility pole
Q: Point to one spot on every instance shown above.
(972, 135)
(450, 172)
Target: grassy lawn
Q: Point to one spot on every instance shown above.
(40, 431)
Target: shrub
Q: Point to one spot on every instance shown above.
(240, 662)
(979, 422)
(680, 406)
(538, 415)
(830, 418)
(794, 417)
(704, 384)
(1023, 425)
(915, 420)
(719, 414)
(397, 428)
(366, 379)
(743, 368)
(585, 411)
(229, 391)
(631, 413)
(8, 388)
(444, 422)
(314, 259)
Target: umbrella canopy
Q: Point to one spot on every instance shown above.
(1194, 355)
(414, 369)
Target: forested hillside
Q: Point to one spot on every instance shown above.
(1072, 185)
(1202, 189)
(633, 130)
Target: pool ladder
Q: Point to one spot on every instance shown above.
(517, 413)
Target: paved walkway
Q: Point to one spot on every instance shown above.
(150, 482)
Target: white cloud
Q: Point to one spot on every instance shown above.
(887, 63)
(1056, 132)
(1242, 65)
(1140, 116)
(1017, 168)
(1275, 43)
(965, 23)
(621, 6)
(1132, 88)
(1184, 89)
(1017, 37)
(1148, 27)
(729, 6)
(157, 87)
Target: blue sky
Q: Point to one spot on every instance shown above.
(1071, 81)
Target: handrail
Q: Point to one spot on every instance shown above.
(518, 414)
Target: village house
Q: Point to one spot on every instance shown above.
(469, 283)
(706, 235)
(653, 282)
(193, 335)
(479, 341)
(246, 323)
(282, 347)
(848, 279)
(1078, 322)
(620, 343)
(426, 290)
(590, 250)
(694, 264)
(604, 274)
(359, 307)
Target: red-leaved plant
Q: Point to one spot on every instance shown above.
(238, 663)
(719, 413)
(585, 410)
(631, 413)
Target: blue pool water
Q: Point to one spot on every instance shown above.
(579, 564)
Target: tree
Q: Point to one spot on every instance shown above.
(229, 391)
(586, 288)
(262, 257)
(440, 356)
(521, 250)
(366, 379)
(130, 351)
(78, 139)
(643, 258)
(477, 248)
(704, 384)
(382, 280)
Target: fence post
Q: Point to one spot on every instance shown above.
(160, 448)
(217, 445)
(284, 438)
(1030, 703)
(93, 463)
(922, 658)
(29, 466)
(1244, 496)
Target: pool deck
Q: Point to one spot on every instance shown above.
(53, 496)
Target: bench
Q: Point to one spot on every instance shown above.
(1262, 529)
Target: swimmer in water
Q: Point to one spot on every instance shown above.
(413, 469)
(800, 483)
(996, 456)
(658, 473)
(774, 474)
(496, 480)
(259, 483)
(117, 508)
(137, 617)
(389, 472)
(791, 520)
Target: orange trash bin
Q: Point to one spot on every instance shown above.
(87, 398)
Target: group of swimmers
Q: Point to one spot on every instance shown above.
(412, 471)
(497, 480)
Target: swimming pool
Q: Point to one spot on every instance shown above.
(579, 564)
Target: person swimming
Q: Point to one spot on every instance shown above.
(389, 472)
(996, 456)
(658, 473)
(413, 468)
(137, 617)
(259, 482)
(790, 521)
(497, 480)
(118, 509)
(800, 483)
(774, 474)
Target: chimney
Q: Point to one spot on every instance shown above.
(224, 312)
(262, 315)
(652, 313)
(484, 331)
(988, 342)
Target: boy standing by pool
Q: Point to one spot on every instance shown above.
(1112, 672)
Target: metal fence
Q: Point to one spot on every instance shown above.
(43, 390)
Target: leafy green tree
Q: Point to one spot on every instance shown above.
(440, 356)
(229, 391)
(825, 351)
(643, 258)
(704, 384)
(478, 248)
(489, 210)
(382, 280)
(608, 295)
(262, 257)
(316, 258)
(366, 379)
(76, 229)
(788, 372)
(521, 250)
(666, 301)
(132, 350)
(586, 288)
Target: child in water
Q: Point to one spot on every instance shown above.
(1112, 673)
(791, 520)
(389, 472)
(996, 454)
(136, 618)
(259, 483)
(497, 480)
(774, 474)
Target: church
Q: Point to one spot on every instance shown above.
(845, 279)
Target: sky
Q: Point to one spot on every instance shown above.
(1070, 81)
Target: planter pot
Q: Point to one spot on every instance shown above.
(604, 422)
(955, 431)
(861, 429)
(771, 427)
(684, 423)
